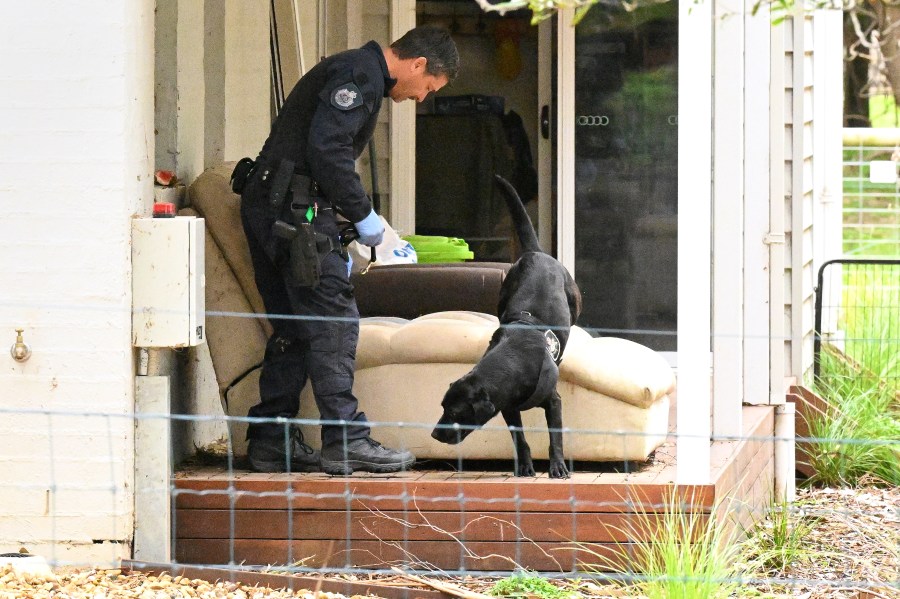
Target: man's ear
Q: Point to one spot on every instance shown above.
(419, 63)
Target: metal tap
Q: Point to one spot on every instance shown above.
(20, 351)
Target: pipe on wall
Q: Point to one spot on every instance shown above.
(785, 457)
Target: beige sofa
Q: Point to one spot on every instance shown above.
(615, 393)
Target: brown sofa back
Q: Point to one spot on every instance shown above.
(411, 290)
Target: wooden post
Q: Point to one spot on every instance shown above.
(695, 79)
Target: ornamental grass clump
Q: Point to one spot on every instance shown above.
(857, 436)
(780, 540)
(675, 553)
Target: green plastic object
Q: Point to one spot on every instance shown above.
(436, 249)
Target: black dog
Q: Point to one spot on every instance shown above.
(539, 302)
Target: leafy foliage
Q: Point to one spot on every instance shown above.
(522, 584)
(543, 9)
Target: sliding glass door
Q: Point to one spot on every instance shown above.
(625, 171)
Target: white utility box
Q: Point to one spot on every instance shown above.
(168, 281)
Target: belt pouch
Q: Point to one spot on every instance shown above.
(240, 174)
(281, 183)
(305, 268)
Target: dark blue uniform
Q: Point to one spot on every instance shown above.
(323, 127)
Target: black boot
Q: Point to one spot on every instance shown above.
(269, 455)
(364, 454)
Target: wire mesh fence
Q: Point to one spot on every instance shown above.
(462, 515)
(858, 321)
(871, 195)
(471, 520)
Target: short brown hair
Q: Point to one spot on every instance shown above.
(434, 44)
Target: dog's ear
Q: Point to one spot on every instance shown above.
(483, 407)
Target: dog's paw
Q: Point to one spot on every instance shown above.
(526, 469)
(558, 470)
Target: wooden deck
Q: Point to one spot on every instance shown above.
(473, 520)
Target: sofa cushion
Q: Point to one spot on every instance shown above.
(403, 402)
(405, 367)
(618, 368)
(211, 196)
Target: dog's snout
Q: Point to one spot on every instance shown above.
(449, 432)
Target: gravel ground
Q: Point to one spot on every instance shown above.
(852, 550)
(115, 584)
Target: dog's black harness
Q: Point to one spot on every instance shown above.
(554, 347)
(549, 374)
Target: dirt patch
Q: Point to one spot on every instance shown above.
(852, 548)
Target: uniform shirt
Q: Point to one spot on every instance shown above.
(328, 119)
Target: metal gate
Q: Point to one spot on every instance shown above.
(858, 317)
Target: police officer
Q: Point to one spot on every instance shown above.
(305, 173)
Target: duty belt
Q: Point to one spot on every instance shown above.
(283, 179)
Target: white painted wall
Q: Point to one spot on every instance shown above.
(76, 161)
(828, 168)
(730, 155)
(776, 217)
(246, 118)
(212, 83)
(800, 127)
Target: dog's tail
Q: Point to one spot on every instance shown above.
(524, 229)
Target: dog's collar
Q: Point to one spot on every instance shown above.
(554, 348)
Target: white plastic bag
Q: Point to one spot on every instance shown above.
(392, 250)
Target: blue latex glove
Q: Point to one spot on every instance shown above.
(370, 229)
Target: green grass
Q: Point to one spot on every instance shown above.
(860, 385)
(525, 584)
(857, 438)
(860, 430)
(875, 205)
(681, 554)
(871, 318)
(778, 541)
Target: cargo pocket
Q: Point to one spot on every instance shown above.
(331, 353)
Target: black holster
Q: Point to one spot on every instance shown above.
(293, 225)
(303, 268)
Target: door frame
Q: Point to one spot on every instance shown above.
(695, 92)
(565, 139)
(545, 147)
(403, 136)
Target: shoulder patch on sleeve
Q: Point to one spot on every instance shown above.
(346, 96)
